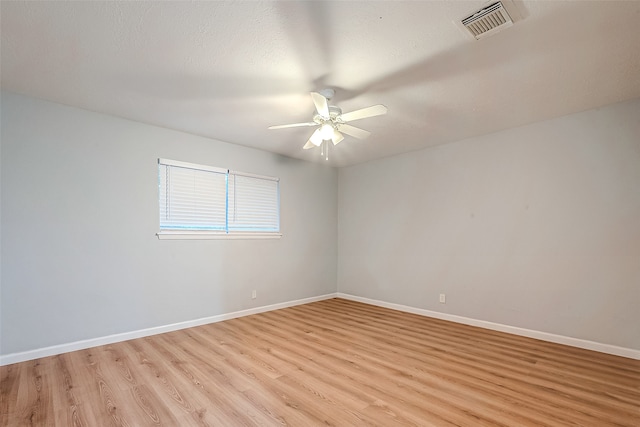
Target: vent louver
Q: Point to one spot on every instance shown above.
(488, 20)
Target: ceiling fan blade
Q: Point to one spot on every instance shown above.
(309, 145)
(374, 110)
(294, 125)
(322, 106)
(353, 131)
(337, 137)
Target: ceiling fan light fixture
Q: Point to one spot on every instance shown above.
(327, 131)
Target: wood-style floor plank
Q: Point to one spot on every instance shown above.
(333, 362)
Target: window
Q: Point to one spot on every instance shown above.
(199, 201)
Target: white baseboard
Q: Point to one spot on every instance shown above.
(544, 336)
(110, 339)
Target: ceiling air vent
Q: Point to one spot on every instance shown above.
(488, 20)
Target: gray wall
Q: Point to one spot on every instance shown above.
(80, 258)
(536, 227)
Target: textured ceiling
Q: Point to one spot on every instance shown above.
(228, 70)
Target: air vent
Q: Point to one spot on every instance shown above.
(488, 21)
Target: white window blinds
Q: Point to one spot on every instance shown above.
(196, 197)
(253, 203)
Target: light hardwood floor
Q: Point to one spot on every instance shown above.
(333, 362)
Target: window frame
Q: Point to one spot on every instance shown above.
(195, 234)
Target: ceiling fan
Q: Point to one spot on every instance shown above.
(332, 123)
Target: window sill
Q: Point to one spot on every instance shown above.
(214, 235)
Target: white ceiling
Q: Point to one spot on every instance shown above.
(228, 70)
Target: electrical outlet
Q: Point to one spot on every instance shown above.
(443, 299)
(253, 294)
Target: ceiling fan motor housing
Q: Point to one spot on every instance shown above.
(334, 111)
(334, 116)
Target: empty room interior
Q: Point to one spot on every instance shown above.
(391, 213)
